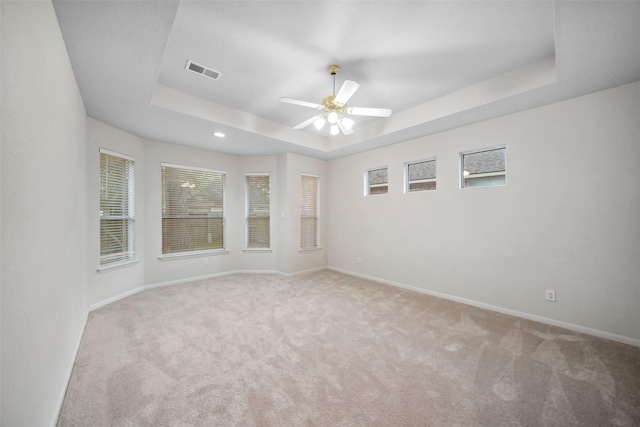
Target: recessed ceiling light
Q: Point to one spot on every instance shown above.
(219, 134)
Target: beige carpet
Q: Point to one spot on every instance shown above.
(327, 349)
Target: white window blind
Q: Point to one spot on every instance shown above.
(192, 209)
(421, 176)
(257, 211)
(377, 181)
(484, 168)
(117, 208)
(309, 212)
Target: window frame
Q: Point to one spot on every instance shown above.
(368, 185)
(407, 179)
(247, 247)
(193, 253)
(463, 177)
(130, 256)
(317, 245)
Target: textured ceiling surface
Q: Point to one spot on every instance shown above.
(437, 65)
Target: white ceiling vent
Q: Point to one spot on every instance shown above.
(203, 71)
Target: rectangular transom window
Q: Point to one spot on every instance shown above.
(117, 208)
(483, 168)
(420, 176)
(309, 212)
(257, 211)
(376, 181)
(192, 209)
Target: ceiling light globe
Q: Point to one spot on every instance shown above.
(333, 117)
(334, 130)
(347, 122)
(319, 123)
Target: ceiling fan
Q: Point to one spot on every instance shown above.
(334, 108)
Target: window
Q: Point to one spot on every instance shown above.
(376, 181)
(420, 176)
(257, 211)
(309, 212)
(192, 210)
(482, 168)
(117, 208)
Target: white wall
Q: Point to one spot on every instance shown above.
(151, 270)
(159, 271)
(290, 169)
(111, 282)
(570, 171)
(566, 220)
(260, 260)
(43, 222)
(1, 136)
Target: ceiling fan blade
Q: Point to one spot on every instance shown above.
(303, 103)
(349, 87)
(344, 129)
(306, 123)
(375, 112)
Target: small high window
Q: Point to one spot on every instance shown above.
(420, 176)
(376, 181)
(483, 168)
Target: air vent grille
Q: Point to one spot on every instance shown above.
(203, 71)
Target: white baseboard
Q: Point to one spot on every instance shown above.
(570, 326)
(208, 276)
(195, 279)
(69, 371)
(115, 298)
(176, 282)
(188, 280)
(577, 328)
(299, 273)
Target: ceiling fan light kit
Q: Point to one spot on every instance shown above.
(335, 109)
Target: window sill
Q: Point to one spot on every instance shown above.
(194, 254)
(116, 266)
(258, 250)
(317, 248)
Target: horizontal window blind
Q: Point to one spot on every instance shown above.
(192, 209)
(421, 176)
(258, 211)
(309, 212)
(117, 208)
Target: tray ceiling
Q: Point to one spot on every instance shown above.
(438, 65)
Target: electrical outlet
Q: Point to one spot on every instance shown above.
(205, 261)
(359, 260)
(550, 295)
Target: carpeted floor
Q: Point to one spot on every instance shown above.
(328, 349)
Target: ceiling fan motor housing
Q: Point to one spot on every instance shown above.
(329, 106)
